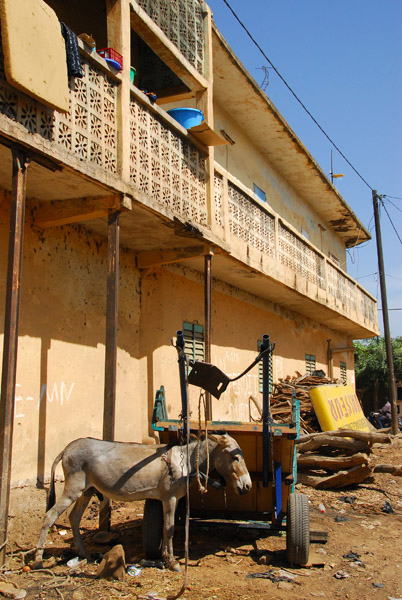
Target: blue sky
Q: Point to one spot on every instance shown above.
(344, 61)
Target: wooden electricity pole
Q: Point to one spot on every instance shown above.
(384, 302)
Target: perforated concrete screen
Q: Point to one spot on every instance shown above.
(34, 51)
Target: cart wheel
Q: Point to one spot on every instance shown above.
(152, 529)
(298, 530)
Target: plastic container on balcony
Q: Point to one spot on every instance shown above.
(188, 117)
(113, 58)
(133, 73)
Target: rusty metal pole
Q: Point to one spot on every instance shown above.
(10, 346)
(109, 407)
(208, 323)
(384, 303)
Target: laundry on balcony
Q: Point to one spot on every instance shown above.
(74, 67)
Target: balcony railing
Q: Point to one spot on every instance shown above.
(164, 165)
(258, 227)
(182, 22)
(88, 131)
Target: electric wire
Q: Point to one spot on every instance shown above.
(295, 95)
(392, 223)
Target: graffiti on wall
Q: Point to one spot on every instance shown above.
(59, 393)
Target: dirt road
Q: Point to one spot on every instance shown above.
(362, 559)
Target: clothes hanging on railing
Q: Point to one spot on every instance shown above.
(72, 52)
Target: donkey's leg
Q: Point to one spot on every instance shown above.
(169, 509)
(75, 519)
(73, 488)
(50, 517)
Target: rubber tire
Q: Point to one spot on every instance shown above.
(298, 529)
(152, 529)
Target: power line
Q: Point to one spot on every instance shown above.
(394, 205)
(393, 226)
(294, 94)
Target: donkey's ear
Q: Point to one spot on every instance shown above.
(220, 438)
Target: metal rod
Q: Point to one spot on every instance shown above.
(112, 304)
(384, 302)
(10, 345)
(183, 379)
(265, 410)
(208, 323)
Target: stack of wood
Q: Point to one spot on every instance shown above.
(336, 459)
(281, 399)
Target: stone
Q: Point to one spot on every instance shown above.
(8, 590)
(113, 565)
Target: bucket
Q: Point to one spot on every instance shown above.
(188, 117)
(132, 74)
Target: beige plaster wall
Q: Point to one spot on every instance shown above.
(171, 296)
(249, 166)
(61, 353)
(60, 368)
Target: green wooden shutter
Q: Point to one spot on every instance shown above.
(194, 341)
(310, 364)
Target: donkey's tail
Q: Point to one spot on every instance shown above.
(51, 497)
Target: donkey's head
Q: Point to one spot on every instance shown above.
(229, 461)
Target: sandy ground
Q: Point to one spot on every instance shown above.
(362, 558)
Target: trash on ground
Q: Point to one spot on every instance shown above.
(387, 508)
(341, 575)
(133, 571)
(378, 585)
(351, 555)
(347, 499)
(340, 519)
(156, 564)
(76, 562)
(275, 576)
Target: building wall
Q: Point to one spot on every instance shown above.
(61, 353)
(249, 166)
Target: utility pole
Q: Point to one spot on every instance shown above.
(384, 302)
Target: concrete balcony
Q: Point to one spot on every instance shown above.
(172, 210)
(270, 258)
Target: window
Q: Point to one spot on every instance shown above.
(259, 193)
(271, 371)
(344, 377)
(310, 364)
(194, 341)
(334, 259)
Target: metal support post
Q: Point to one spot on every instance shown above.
(109, 406)
(10, 346)
(265, 410)
(208, 324)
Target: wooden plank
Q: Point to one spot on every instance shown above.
(152, 258)
(77, 210)
(332, 463)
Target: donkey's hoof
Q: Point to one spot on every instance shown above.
(174, 566)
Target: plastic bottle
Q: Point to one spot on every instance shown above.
(321, 507)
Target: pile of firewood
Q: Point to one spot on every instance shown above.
(281, 399)
(329, 459)
(336, 459)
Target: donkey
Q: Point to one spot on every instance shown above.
(126, 472)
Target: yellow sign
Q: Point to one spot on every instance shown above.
(338, 406)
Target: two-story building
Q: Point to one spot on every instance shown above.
(131, 226)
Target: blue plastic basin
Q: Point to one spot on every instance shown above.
(188, 117)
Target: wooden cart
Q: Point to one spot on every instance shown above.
(270, 455)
